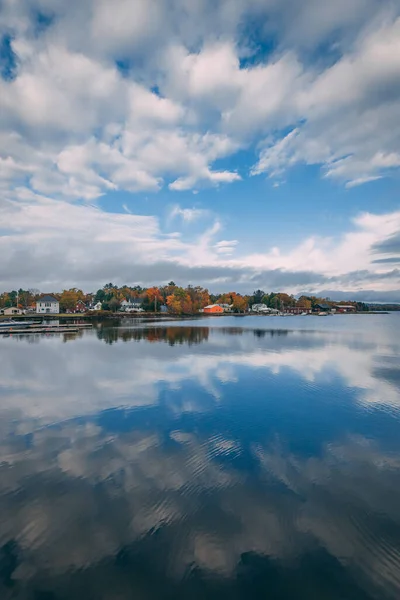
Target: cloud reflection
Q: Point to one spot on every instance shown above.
(165, 452)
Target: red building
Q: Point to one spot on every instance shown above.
(345, 308)
(80, 308)
(213, 309)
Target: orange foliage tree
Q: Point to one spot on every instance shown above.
(240, 303)
(187, 301)
(70, 298)
(304, 302)
(153, 299)
(179, 302)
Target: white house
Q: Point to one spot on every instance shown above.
(226, 307)
(261, 308)
(48, 304)
(132, 306)
(97, 306)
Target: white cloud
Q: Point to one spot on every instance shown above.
(226, 247)
(277, 156)
(188, 215)
(153, 95)
(340, 258)
(350, 113)
(68, 93)
(205, 175)
(52, 244)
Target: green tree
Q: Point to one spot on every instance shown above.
(114, 304)
(257, 297)
(100, 296)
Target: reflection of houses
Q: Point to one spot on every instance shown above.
(213, 309)
(12, 310)
(345, 308)
(48, 304)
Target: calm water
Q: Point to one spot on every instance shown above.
(234, 458)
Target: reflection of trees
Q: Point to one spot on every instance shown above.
(32, 338)
(9, 560)
(170, 335)
(177, 335)
(260, 333)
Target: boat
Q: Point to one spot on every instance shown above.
(10, 323)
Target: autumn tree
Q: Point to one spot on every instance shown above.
(304, 302)
(177, 301)
(5, 300)
(226, 298)
(25, 298)
(152, 299)
(167, 290)
(70, 298)
(240, 303)
(199, 297)
(285, 300)
(174, 304)
(180, 302)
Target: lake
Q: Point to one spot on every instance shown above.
(241, 458)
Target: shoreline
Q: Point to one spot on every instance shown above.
(164, 316)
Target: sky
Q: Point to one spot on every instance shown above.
(235, 144)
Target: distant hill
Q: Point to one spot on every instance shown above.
(373, 306)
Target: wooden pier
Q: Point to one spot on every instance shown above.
(37, 328)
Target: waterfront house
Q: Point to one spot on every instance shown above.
(47, 304)
(97, 306)
(345, 308)
(80, 307)
(132, 305)
(124, 304)
(323, 307)
(213, 309)
(226, 307)
(11, 311)
(261, 308)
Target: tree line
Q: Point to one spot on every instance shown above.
(177, 299)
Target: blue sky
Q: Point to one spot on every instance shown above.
(235, 144)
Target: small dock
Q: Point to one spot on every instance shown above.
(38, 328)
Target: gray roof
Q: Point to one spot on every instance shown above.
(47, 298)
